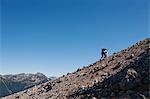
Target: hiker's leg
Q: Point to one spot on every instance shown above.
(102, 55)
(105, 54)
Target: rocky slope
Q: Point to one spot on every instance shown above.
(10, 84)
(124, 75)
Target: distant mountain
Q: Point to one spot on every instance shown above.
(51, 78)
(123, 75)
(10, 84)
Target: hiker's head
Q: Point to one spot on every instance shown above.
(104, 49)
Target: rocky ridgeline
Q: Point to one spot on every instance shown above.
(123, 75)
(10, 84)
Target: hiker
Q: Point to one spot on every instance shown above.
(104, 53)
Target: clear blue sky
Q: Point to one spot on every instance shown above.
(58, 36)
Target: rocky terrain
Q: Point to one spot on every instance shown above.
(123, 75)
(10, 84)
